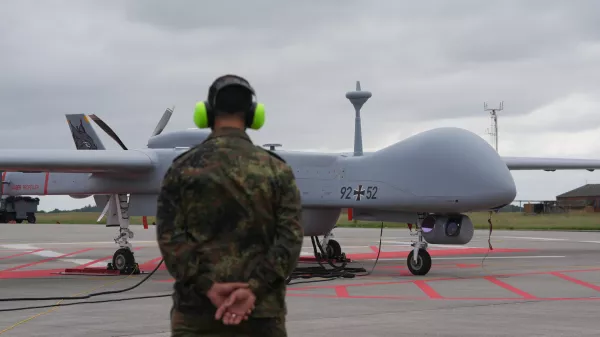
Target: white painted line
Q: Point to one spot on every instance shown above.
(530, 238)
(500, 257)
(81, 261)
(75, 243)
(353, 247)
(47, 253)
(408, 243)
(20, 246)
(480, 258)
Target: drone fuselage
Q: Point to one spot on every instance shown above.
(446, 170)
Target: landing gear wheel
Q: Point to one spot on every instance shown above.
(333, 249)
(423, 264)
(19, 221)
(124, 261)
(31, 218)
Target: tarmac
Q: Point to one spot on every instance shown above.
(530, 284)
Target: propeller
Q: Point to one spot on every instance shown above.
(108, 130)
(162, 123)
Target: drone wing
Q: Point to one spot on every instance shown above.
(76, 161)
(550, 164)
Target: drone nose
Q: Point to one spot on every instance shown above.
(452, 165)
(495, 185)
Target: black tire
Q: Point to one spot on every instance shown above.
(423, 264)
(31, 218)
(123, 260)
(19, 220)
(333, 249)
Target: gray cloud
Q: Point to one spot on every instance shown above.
(128, 60)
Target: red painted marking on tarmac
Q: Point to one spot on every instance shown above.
(45, 260)
(467, 265)
(409, 298)
(342, 292)
(435, 252)
(20, 254)
(93, 262)
(439, 279)
(509, 287)
(576, 281)
(367, 284)
(46, 183)
(436, 266)
(24, 274)
(151, 264)
(90, 271)
(428, 290)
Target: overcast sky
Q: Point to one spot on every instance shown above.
(427, 63)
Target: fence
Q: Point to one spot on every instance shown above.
(537, 206)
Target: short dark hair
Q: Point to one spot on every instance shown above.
(232, 99)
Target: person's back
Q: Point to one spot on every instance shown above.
(229, 212)
(230, 204)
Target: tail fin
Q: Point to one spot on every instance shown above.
(84, 135)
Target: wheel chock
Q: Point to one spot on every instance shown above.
(135, 269)
(90, 271)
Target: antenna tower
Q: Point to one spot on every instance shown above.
(358, 98)
(493, 131)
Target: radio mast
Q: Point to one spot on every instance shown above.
(358, 98)
(493, 131)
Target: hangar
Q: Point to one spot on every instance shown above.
(585, 197)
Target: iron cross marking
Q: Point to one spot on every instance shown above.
(359, 192)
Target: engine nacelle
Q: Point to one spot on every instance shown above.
(79, 196)
(455, 229)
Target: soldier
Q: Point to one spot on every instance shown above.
(228, 223)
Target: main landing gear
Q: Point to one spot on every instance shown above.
(328, 249)
(419, 260)
(123, 260)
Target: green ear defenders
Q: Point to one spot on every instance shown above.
(204, 114)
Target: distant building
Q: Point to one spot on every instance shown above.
(585, 196)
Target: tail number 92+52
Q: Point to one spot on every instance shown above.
(359, 193)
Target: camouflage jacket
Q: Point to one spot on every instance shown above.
(229, 211)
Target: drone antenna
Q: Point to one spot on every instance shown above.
(493, 131)
(358, 98)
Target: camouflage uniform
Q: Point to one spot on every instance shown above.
(229, 211)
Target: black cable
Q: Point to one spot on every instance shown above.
(85, 296)
(329, 274)
(168, 294)
(86, 302)
(337, 272)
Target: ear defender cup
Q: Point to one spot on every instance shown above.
(204, 117)
(256, 119)
(201, 115)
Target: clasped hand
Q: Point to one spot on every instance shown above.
(234, 302)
